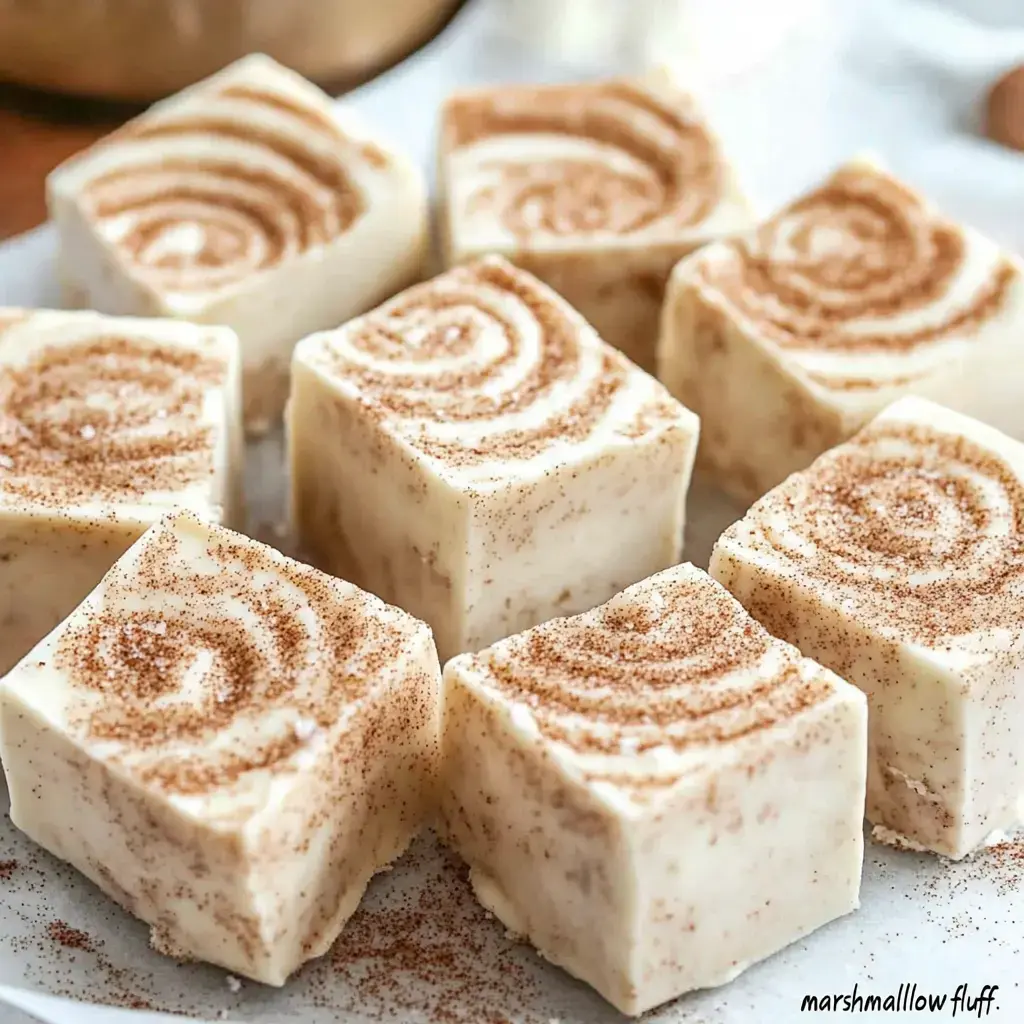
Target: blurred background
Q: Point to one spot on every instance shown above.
(784, 73)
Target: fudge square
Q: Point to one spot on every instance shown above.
(598, 188)
(897, 560)
(228, 743)
(788, 340)
(656, 793)
(249, 200)
(472, 452)
(106, 424)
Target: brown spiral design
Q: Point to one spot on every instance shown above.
(651, 160)
(106, 418)
(177, 658)
(672, 662)
(292, 193)
(917, 530)
(834, 271)
(460, 364)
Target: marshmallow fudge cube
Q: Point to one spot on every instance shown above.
(249, 200)
(787, 340)
(598, 188)
(228, 743)
(106, 424)
(656, 793)
(472, 452)
(897, 560)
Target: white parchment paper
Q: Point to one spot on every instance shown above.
(903, 79)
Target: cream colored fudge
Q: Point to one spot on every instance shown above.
(655, 793)
(228, 743)
(248, 200)
(790, 339)
(106, 424)
(598, 188)
(897, 560)
(472, 452)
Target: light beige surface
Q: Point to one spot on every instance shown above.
(107, 423)
(250, 200)
(226, 742)
(896, 560)
(655, 793)
(597, 188)
(474, 453)
(789, 339)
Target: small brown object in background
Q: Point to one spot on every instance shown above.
(1004, 122)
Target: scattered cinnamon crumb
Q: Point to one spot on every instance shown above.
(70, 938)
(430, 955)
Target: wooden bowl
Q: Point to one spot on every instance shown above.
(140, 50)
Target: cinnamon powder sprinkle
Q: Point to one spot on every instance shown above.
(302, 643)
(253, 215)
(431, 954)
(68, 937)
(919, 532)
(1004, 862)
(831, 269)
(572, 378)
(674, 175)
(670, 663)
(111, 418)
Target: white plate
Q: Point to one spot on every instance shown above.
(907, 86)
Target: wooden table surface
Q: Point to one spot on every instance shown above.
(37, 132)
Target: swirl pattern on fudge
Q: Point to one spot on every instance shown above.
(199, 676)
(108, 418)
(918, 531)
(669, 665)
(486, 365)
(614, 157)
(235, 181)
(862, 282)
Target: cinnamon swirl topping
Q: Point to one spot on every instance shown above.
(228, 179)
(862, 282)
(912, 527)
(92, 410)
(668, 666)
(484, 366)
(210, 656)
(619, 157)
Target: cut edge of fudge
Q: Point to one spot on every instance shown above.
(261, 869)
(737, 321)
(504, 463)
(853, 403)
(609, 880)
(950, 649)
